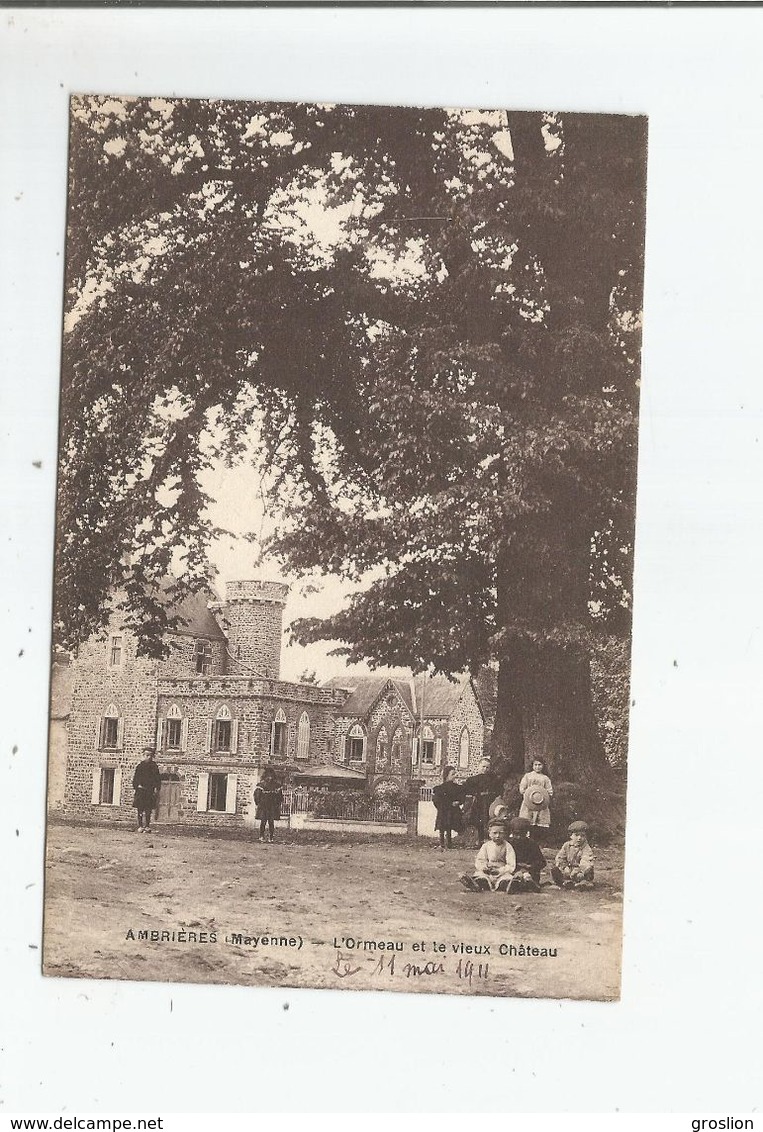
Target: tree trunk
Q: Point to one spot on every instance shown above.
(545, 711)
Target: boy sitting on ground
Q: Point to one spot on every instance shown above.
(573, 867)
(530, 859)
(494, 864)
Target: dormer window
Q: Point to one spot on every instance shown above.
(203, 656)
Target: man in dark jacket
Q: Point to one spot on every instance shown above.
(268, 798)
(482, 788)
(146, 782)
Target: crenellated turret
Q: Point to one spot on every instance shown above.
(252, 616)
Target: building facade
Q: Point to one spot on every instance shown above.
(217, 713)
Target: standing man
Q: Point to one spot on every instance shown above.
(482, 788)
(146, 782)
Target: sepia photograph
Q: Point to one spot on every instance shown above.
(344, 546)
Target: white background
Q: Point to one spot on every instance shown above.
(686, 1034)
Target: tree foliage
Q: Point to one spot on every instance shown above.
(427, 319)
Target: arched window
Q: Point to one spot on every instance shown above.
(173, 730)
(222, 736)
(396, 751)
(382, 750)
(463, 749)
(110, 729)
(303, 736)
(278, 735)
(355, 745)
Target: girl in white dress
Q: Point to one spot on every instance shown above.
(536, 809)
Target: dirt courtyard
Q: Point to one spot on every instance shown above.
(176, 907)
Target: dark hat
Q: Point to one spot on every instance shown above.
(497, 823)
(577, 827)
(536, 798)
(519, 825)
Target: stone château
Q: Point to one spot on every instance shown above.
(217, 713)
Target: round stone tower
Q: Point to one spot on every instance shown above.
(253, 615)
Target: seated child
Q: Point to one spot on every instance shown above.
(530, 859)
(494, 864)
(573, 867)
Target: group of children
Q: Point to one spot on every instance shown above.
(515, 863)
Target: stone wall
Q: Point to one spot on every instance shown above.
(130, 687)
(254, 705)
(466, 714)
(181, 660)
(146, 692)
(391, 713)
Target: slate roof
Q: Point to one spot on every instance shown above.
(199, 620)
(440, 694)
(196, 619)
(365, 690)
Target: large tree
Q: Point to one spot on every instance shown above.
(429, 321)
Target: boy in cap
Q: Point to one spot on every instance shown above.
(573, 867)
(529, 855)
(494, 864)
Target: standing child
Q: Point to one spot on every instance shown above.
(268, 798)
(446, 798)
(494, 864)
(537, 792)
(573, 867)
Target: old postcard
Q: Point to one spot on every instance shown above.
(347, 476)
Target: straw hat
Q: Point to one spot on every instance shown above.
(536, 798)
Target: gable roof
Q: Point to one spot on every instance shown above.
(365, 691)
(440, 694)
